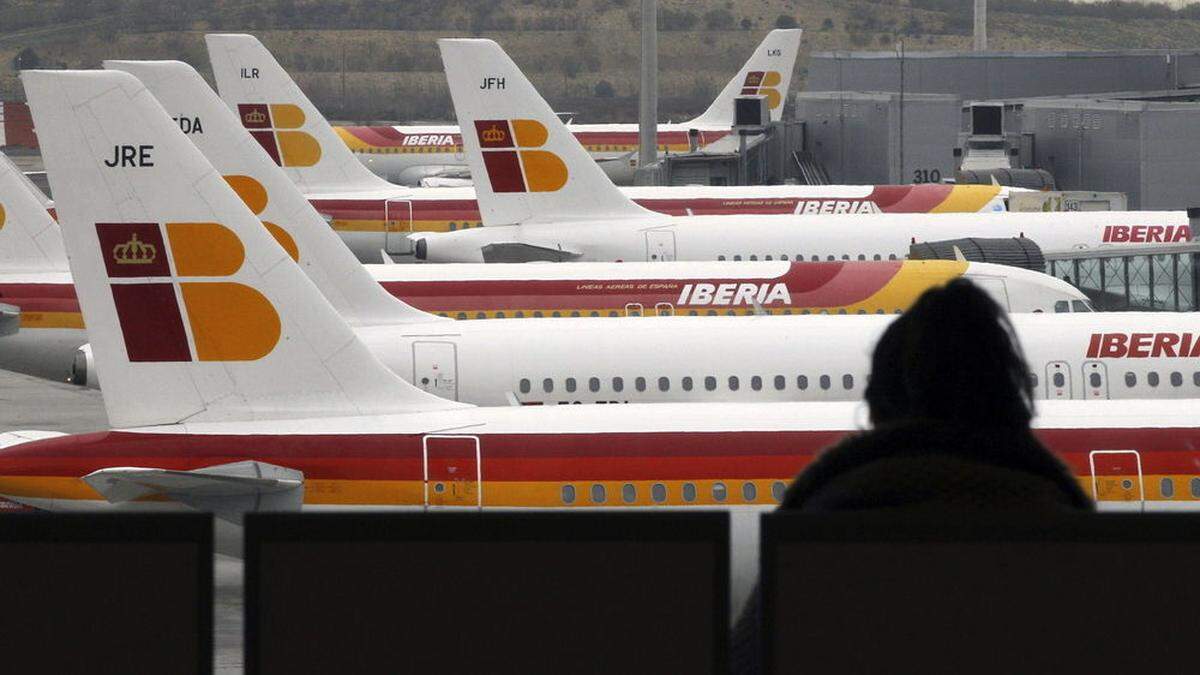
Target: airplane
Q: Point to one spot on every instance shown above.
(578, 359)
(407, 154)
(33, 267)
(543, 199)
(58, 350)
(232, 385)
(373, 215)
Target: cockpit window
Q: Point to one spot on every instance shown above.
(1081, 306)
(1062, 306)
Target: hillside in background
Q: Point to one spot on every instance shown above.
(376, 59)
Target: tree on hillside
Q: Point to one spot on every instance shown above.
(718, 19)
(785, 21)
(26, 59)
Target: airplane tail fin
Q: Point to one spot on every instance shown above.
(272, 107)
(270, 194)
(768, 73)
(194, 311)
(526, 165)
(30, 240)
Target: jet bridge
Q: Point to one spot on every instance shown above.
(1146, 278)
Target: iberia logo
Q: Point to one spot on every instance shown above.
(274, 127)
(764, 83)
(226, 321)
(254, 195)
(511, 165)
(2, 217)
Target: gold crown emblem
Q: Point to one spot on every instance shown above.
(134, 252)
(493, 134)
(255, 117)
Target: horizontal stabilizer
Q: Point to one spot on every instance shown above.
(518, 252)
(224, 489)
(11, 438)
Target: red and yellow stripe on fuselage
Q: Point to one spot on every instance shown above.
(43, 305)
(840, 287)
(562, 470)
(449, 215)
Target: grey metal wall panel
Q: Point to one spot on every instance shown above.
(1004, 74)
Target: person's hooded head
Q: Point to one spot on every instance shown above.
(952, 357)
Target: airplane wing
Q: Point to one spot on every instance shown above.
(228, 490)
(519, 252)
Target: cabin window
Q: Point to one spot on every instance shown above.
(575, 314)
(570, 384)
(1177, 379)
(568, 494)
(664, 384)
(847, 382)
(480, 315)
(628, 493)
(689, 492)
(537, 314)
(720, 257)
(756, 383)
(598, 494)
(1196, 378)
(749, 491)
(594, 384)
(780, 382)
(612, 313)
(825, 382)
(733, 383)
(547, 385)
(1195, 487)
(1059, 380)
(754, 256)
(1033, 380)
(500, 315)
(1152, 378)
(556, 314)
(710, 383)
(1095, 380)
(737, 257)
(778, 489)
(767, 257)
(686, 383)
(519, 314)
(1130, 379)
(783, 257)
(462, 316)
(877, 257)
(524, 386)
(658, 492)
(1167, 487)
(830, 258)
(862, 256)
(618, 384)
(802, 382)
(640, 384)
(845, 256)
(594, 314)
(720, 493)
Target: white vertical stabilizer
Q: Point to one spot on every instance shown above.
(248, 75)
(30, 240)
(215, 130)
(527, 166)
(194, 312)
(768, 72)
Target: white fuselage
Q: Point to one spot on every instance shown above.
(758, 359)
(768, 237)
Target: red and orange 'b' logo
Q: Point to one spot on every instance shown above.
(511, 167)
(274, 127)
(765, 83)
(228, 321)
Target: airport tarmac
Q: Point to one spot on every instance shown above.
(31, 403)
